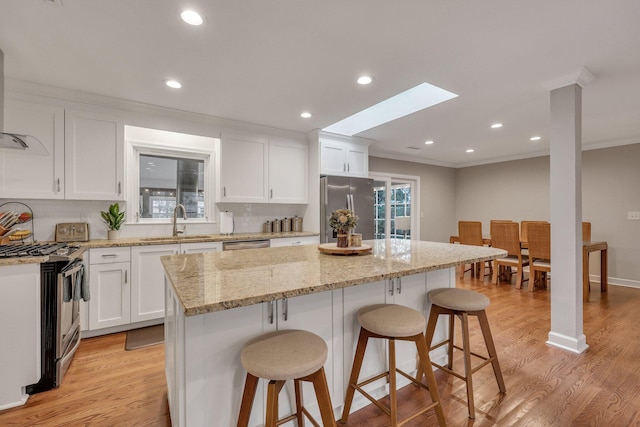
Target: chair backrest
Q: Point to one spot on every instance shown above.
(586, 231)
(470, 232)
(496, 221)
(540, 240)
(524, 230)
(506, 235)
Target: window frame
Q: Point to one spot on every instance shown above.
(156, 148)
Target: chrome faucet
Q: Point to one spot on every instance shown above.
(175, 220)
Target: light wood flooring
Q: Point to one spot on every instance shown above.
(108, 386)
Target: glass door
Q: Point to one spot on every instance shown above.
(393, 207)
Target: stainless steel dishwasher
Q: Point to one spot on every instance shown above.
(246, 244)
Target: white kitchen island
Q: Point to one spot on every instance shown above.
(216, 302)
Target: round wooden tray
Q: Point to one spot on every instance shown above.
(333, 249)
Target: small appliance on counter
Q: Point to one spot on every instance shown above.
(226, 222)
(72, 232)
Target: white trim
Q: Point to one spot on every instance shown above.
(565, 342)
(415, 199)
(615, 281)
(190, 146)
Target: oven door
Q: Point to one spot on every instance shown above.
(68, 308)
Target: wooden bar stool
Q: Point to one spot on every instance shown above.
(281, 356)
(392, 322)
(463, 303)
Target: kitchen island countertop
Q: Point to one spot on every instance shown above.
(213, 282)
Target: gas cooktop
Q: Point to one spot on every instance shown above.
(55, 251)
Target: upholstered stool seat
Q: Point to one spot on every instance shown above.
(281, 356)
(462, 303)
(392, 322)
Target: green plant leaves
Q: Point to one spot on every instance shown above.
(113, 217)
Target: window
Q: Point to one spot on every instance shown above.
(167, 181)
(170, 169)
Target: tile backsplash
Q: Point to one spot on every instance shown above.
(47, 213)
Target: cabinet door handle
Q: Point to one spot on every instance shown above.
(271, 193)
(391, 287)
(126, 276)
(399, 288)
(58, 182)
(344, 167)
(224, 191)
(109, 255)
(270, 312)
(119, 188)
(347, 167)
(285, 309)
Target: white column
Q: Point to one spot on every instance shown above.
(566, 218)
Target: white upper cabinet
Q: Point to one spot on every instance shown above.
(24, 175)
(288, 172)
(94, 156)
(257, 170)
(243, 170)
(343, 158)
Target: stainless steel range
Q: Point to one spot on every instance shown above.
(62, 287)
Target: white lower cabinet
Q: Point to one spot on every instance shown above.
(147, 281)
(109, 283)
(199, 389)
(20, 331)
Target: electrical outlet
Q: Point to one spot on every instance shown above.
(635, 216)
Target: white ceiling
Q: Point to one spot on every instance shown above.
(265, 61)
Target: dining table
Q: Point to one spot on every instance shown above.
(587, 248)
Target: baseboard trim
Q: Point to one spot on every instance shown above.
(575, 345)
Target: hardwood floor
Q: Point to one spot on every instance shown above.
(107, 386)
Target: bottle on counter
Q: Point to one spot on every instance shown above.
(286, 225)
(276, 226)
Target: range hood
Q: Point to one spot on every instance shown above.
(14, 141)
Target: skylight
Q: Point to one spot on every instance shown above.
(415, 99)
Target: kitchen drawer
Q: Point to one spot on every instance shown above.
(109, 255)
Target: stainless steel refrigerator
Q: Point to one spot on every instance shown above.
(339, 192)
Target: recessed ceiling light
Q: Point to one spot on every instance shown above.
(174, 84)
(470, 150)
(535, 138)
(364, 80)
(191, 17)
(305, 115)
(496, 125)
(429, 142)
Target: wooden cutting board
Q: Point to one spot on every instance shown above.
(333, 249)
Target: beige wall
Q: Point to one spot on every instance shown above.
(437, 195)
(519, 190)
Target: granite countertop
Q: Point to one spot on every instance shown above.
(164, 240)
(167, 240)
(223, 280)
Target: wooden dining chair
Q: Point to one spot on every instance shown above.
(506, 235)
(496, 221)
(524, 230)
(539, 253)
(586, 231)
(470, 233)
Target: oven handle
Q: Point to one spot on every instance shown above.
(69, 272)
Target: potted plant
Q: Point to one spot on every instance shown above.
(114, 218)
(343, 221)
